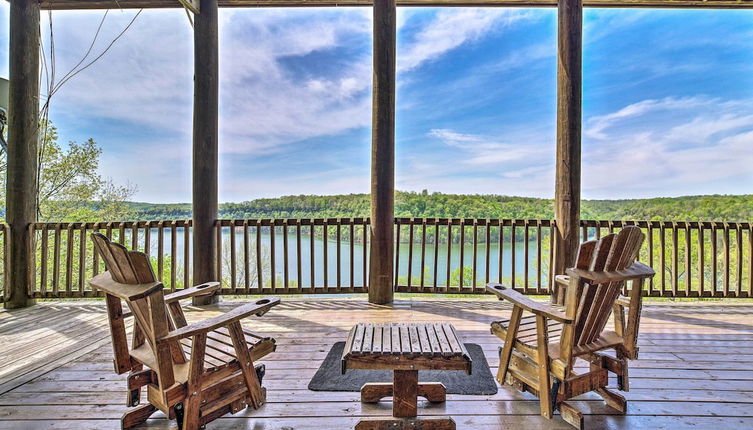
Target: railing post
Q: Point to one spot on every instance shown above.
(383, 154)
(569, 104)
(205, 149)
(23, 135)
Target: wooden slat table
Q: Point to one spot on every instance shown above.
(405, 349)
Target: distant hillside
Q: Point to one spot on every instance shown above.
(410, 204)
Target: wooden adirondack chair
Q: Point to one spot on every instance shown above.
(541, 348)
(193, 373)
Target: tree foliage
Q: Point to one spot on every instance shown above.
(70, 186)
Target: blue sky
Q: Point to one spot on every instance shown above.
(668, 100)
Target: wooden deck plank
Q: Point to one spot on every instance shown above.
(693, 370)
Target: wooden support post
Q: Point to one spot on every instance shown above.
(383, 154)
(569, 104)
(23, 135)
(205, 150)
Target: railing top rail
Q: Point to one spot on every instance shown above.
(398, 220)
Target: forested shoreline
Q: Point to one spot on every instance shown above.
(730, 208)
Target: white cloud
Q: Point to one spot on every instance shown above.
(451, 28)
(481, 150)
(670, 146)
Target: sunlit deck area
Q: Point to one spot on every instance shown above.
(693, 371)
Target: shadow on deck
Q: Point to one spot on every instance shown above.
(694, 370)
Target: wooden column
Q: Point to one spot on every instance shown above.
(205, 150)
(383, 154)
(23, 134)
(569, 104)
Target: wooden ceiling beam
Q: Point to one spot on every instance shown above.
(151, 4)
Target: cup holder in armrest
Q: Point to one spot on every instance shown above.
(262, 302)
(199, 287)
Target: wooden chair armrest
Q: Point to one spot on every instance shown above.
(258, 307)
(636, 271)
(198, 290)
(562, 280)
(527, 304)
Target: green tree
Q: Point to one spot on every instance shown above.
(70, 186)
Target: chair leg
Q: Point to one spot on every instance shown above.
(506, 355)
(137, 416)
(571, 415)
(542, 341)
(613, 399)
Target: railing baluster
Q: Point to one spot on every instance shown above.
(714, 277)
(474, 266)
(82, 259)
(272, 256)
(338, 236)
(397, 253)
(173, 253)
(512, 252)
(160, 253)
(285, 271)
(187, 275)
(325, 253)
(95, 262)
(675, 257)
(148, 239)
(43, 262)
(551, 257)
(662, 258)
(701, 265)
(449, 251)
(352, 231)
(462, 253)
(750, 260)
(739, 254)
(410, 251)
(423, 251)
(725, 242)
(135, 236)
(259, 266)
(501, 251)
(311, 251)
(688, 268)
(69, 261)
(298, 263)
(650, 228)
(365, 252)
(538, 257)
(218, 234)
(435, 273)
(487, 258)
(233, 260)
(246, 259)
(526, 255)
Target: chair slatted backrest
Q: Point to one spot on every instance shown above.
(593, 303)
(152, 321)
(126, 267)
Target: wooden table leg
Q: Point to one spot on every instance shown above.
(405, 395)
(404, 390)
(373, 392)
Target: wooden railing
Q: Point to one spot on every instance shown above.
(433, 255)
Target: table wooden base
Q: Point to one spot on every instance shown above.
(373, 392)
(391, 423)
(405, 391)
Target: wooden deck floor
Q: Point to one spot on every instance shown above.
(694, 372)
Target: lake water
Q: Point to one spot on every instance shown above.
(358, 260)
